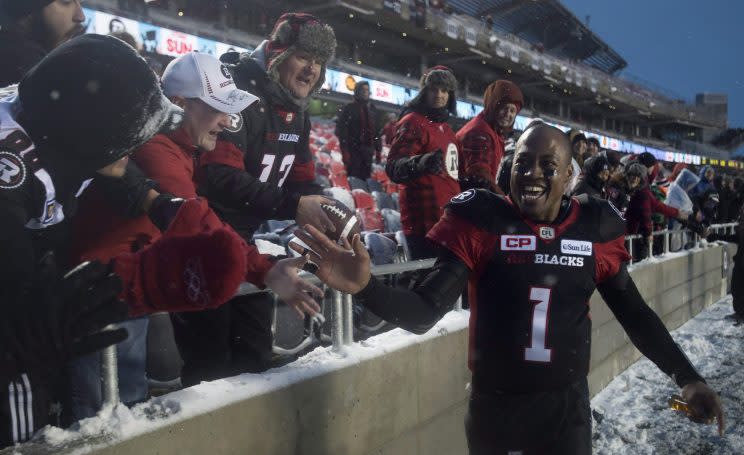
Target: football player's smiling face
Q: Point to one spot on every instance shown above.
(541, 172)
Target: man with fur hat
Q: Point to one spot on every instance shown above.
(481, 140)
(424, 158)
(58, 131)
(356, 132)
(29, 29)
(261, 169)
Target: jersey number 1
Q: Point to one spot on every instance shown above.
(537, 352)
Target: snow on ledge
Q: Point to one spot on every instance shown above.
(121, 423)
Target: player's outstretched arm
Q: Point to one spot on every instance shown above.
(347, 269)
(651, 337)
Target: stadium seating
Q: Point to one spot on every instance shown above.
(358, 184)
(383, 200)
(374, 185)
(391, 218)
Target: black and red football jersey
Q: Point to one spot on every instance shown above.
(530, 285)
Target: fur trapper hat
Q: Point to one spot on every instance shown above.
(303, 32)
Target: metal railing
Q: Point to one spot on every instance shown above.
(342, 327)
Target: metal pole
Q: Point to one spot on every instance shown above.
(337, 329)
(666, 241)
(651, 247)
(109, 376)
(348, 319)
(630, 248)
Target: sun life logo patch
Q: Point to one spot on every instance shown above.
(12, 171)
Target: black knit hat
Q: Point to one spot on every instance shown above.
(92, 101)
(13, 10)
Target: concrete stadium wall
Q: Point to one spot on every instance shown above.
(413, 400)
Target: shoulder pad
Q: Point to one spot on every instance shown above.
(480, 207)
(602, 212)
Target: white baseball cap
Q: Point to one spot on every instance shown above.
(202, 76)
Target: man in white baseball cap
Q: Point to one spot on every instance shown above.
(202, 86)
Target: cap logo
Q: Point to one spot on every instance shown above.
(225, 72)
(236, 123)
(12, 171)
(465, 196)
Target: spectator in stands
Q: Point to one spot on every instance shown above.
(424, 158)
(592, 147)
(737, 278)
(737, 197)
(705, 207)
(724, 184)
(594, 178)
(641, 206)
(388, 130)
(29, 29)
(52, 148)
(481, 140)
(616, 188)
(706, 174)
(356, 129)
(652, 166)
(578, 146)
(99, 234)
(260, 169)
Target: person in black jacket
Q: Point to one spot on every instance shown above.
(737, 278)
(531, 261)
(29, 29)
(596, 174)
(356, 132)
(260, 169)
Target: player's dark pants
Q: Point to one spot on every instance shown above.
(232, 339)
(553, 422)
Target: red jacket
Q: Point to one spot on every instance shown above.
(640, 208)
(169, 160)
(422, 199)
(481, 150)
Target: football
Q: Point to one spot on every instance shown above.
(344, 220)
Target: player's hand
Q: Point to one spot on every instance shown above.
(310, 212)
(683, 216)
(283, 280)
(345, 268)
(704, 404)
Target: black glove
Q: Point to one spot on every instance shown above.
(60, 318)
(403, 170)
(128, 193)
(430, 163)
(164, 209)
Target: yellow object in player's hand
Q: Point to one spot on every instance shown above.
(678, 404)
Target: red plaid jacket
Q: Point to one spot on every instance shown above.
(422, 199)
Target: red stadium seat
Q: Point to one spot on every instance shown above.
(337, 167)
(340, 180)
(364, 200)
(371, 220)
(324, 159)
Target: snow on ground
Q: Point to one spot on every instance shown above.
(631, 415)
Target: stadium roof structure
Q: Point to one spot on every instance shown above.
(548, 23)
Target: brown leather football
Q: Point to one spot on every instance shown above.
(344, 220)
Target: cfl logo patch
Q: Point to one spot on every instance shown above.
(518, 243)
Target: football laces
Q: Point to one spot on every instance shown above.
(334, 210)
